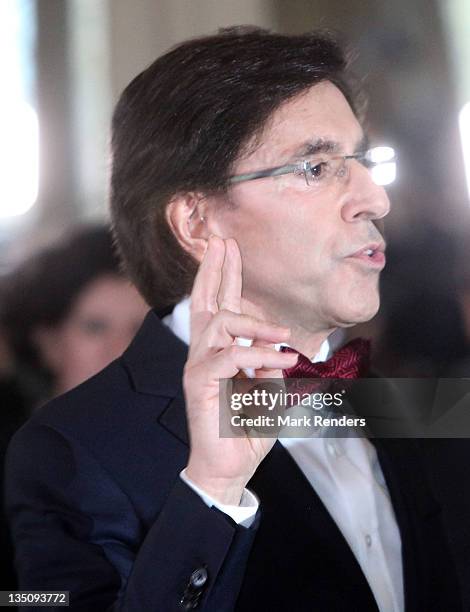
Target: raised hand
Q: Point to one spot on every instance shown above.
(223, 466)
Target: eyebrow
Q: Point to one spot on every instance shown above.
(322, 145)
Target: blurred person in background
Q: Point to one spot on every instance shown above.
(66, 312)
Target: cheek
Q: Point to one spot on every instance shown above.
(282, 231)
(81, 352)
(308, 227)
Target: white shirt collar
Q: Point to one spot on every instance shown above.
(178, 321)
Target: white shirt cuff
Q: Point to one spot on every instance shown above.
(243, 514)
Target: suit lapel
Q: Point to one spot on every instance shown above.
(173, 419)
(155, 361)
(156, 349)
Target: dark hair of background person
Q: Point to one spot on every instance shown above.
(181, 124)
(42, 290)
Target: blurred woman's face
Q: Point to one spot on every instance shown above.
(103, 320)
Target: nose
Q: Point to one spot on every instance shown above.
(363, 199)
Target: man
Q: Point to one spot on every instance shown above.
(245, 147)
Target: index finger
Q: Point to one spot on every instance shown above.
(230, 291)
(206, 284)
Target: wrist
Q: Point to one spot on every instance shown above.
(225, 491)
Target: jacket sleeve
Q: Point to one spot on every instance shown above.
(74, 529)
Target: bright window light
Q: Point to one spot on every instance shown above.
(385, 172)
(464, 124)
(19, 141)
(19, 168)
(381, 154)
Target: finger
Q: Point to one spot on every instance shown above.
(225, 326)
(206, 285)
(230, 291)
(262, 344)
(228, 362)
(256, 358)
(265, 372)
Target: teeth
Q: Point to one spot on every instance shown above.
(369, 252)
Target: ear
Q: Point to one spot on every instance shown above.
(47, 341)
(186, 215)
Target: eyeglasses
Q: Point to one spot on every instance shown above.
(381, 161)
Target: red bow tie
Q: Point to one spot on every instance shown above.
(351, 361)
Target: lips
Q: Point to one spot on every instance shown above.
(372, 255)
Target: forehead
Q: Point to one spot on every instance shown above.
(320, 114)
(108, 293)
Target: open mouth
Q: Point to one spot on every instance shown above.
(373, 255)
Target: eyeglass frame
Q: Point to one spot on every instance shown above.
(304, 166)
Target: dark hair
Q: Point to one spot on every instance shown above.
(42, 290)
(182, 123)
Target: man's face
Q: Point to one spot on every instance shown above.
(303, 246)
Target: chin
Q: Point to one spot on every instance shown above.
(359, 312)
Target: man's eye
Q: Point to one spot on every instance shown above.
(319, 171)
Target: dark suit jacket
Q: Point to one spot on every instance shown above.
(97, 508)
(13, 413)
